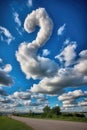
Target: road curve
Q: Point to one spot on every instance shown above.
(42, 124)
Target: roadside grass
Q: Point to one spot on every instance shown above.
(75, 119)
(60, 117)
(9, 124)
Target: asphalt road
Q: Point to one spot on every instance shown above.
(42, 124)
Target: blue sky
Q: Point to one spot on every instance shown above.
(46, 65)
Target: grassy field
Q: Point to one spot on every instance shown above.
(9, 124)
(60, 117)
(75, 119)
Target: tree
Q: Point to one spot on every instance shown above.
(30, 113)
(56, 110)
(46, 109)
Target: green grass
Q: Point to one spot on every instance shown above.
(60, 117)
(75, 119)
(9, 124)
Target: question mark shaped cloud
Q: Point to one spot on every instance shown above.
(33, 65)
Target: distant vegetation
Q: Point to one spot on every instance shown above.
(55, 113)
(10, 124)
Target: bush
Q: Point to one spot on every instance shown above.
(56, 110)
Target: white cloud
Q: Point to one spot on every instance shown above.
(72, 95)
(69, 99)
(23, 101)
(64, 78)
(81, 66)
(46, 52)
(69, 105)
(27, 103)
(37, 96)
(6, 35)
(82, 103)
(4, 99)
(83, 54)
(22, 95)
(16, 18)
(53, 78)
(32, 65)
(68, 54)
(61, 30)
(5, 78)
(68, 76)
(7, 68)
(39, 18)
(30, 3)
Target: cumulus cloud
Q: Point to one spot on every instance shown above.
(27, 102)
(23, 101)
(61, 30)
(32, 65)
(22, 95)
(4, 100)
(72, 95)
(83, 103)
(69, 99)
(68, 54)
(5, 78)
(6, 36)
(81, 66)
(39, 18)
(64, 78)
(37, 96)
(83, 54)
(53, 77)
(46, 52)
(41, 98)
(74, 76)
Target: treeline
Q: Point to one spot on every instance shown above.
(47, 112)
(52, 113)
